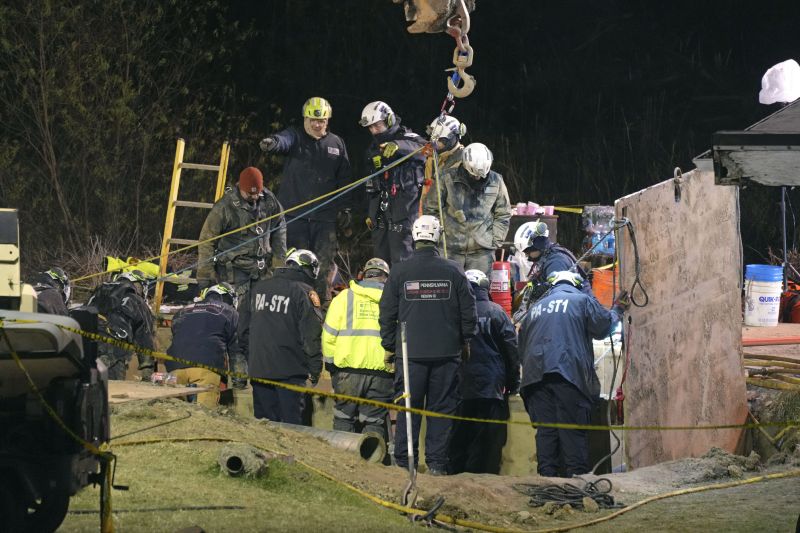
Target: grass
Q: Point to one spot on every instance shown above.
(289, 498)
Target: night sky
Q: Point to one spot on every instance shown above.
(581, 101)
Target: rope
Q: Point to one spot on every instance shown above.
(340, 190)
(439, 198)
(391, 406)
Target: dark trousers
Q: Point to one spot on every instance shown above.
(242, 281)
(556, 400)
(278, 404)
(477, 447)
(434, 386)
(320, 238)
(392, 242)
(358, 418)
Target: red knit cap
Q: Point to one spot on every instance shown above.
(251, 180)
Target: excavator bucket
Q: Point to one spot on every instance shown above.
(431, 16)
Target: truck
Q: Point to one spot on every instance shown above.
(54, 414)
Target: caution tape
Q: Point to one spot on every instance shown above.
(344, 188)
(393, 407)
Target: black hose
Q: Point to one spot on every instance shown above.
(599, 491)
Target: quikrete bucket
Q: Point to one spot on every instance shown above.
(763, 285)
(500, 285)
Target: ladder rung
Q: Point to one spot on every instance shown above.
(200, 166)
(183, 241)
(186, 203)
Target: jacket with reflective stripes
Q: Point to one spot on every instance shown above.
(351, 337)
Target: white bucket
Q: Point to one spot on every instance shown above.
(762, 302)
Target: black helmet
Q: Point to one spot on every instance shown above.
(225, 290)
(138, 278)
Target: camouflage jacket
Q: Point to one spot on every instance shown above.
(241, 249)
(476, 213)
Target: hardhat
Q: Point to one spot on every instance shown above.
(565, 276)
(134, 276)
(524, 232)
(376, 263)
(478, 277)
(375, 112)
(477, 159)
(538, 237)
(317, 107)
(304, 258)
(426, 228)
(445, 126)
(58, 274)
(225, 290)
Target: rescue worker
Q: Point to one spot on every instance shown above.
(559, 383)
(445, 133)
(475, 208)
(394, 194)
(487, 380)
(546, 258)
(124, 315)
(205, 332)
(285, 341)
(52, 292)
(433, 297)
(351, 347)
(245, 256)
(316, 163)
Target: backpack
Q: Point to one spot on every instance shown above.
(109, 299)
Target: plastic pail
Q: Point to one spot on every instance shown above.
(603, 285)
(763, 285)
(500, 285)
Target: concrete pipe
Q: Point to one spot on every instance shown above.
(369, 446)
(242, 460)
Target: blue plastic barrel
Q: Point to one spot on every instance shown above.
(763, 273)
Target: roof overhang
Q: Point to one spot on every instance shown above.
(767, 152)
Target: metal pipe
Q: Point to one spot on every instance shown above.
(370, 446)
(410, 493)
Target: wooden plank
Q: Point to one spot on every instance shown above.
(127, 391)
(685, 345)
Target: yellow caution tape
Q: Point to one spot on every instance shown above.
(390, 406)
(576, 210)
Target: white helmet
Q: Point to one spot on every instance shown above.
(478, 277)
(426, 228)
(375, 112)
(304, 258)
(445, 126)
(477, 159)
(523, 234)
(565, 276)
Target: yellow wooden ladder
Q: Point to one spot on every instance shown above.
(222, 170)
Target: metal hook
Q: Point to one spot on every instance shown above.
(467, 84)
(458, 26)
(463, 58)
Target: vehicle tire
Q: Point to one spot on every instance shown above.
(48, 513)
(11, 510)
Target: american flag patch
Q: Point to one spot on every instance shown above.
(333, 150)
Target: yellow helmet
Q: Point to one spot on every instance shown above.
(317, 107)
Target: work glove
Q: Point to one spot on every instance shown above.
(388, 360)
(344, 220)
(388, 149)
(460, 216)
(368, 222)
(622, 303)
(465, 352)
(314, 380)
(268, 144)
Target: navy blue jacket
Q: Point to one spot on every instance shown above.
(432, 295)
(403, 185)
(286, 327)
(203, 333)
(556, 337)
(493, 366)
(312, 168)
